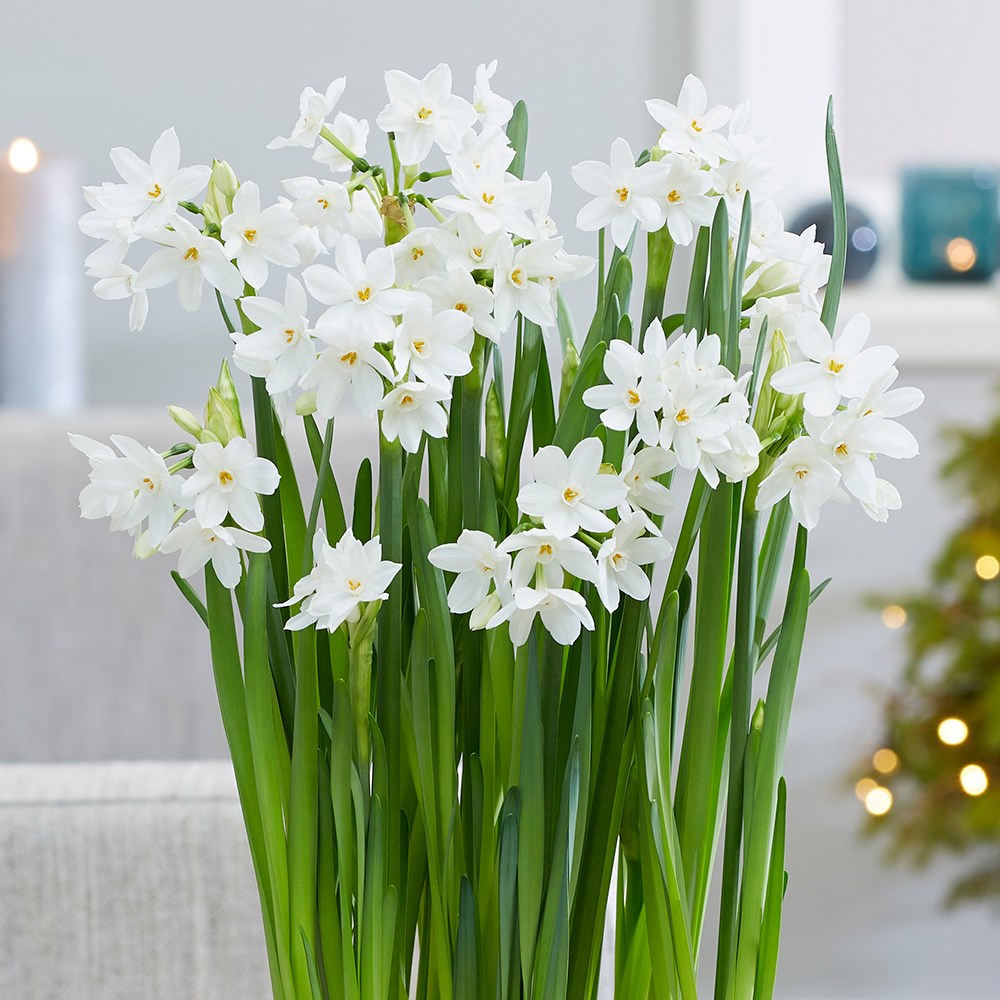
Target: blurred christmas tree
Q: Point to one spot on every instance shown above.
(934, 787)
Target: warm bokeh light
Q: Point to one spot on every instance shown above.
(864, 787)
(973, 779)
(952, 732)
(893, 616)
(885, 760)
(961, 254)
(878, 801)
(22, 155)
(987, 567)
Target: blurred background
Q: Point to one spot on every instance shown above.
(99, 659)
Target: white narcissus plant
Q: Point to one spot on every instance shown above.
(456, 675)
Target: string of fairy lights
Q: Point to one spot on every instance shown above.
(951, 731)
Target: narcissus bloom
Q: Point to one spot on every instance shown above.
(570, 492)
(314, 109)
(349, 369)
(541, 553)
(198, 545)
(227, 480)
(190, 258)
(256, 237)
(563, 613)
(479, 564)
(805, 476)
(413, 409)
(621, 556)
(433, 346)
(424, 113)
(352, 133)
(344, 577)
(634, 392)
(691, 126)
(152, 190)
(493, 110)
(457, 289)
(835, 368)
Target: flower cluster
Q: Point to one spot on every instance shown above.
(140, 494)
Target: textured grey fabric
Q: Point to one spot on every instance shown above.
(100, 656)
(126, 881)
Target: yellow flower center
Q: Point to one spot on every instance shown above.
(622, 193)
(249, 235)
(149, 484)
(424, 113)
(682, 416)
(225, 478)
(545, 549)
(406, 400)
(618, 559)
(191, 253)
(517, 276)
(462, 307)
(353, 585)
(477, 252)
(835, 366)
(364, 294)
(695, 125)
(155, 191)
(633, 397)
(841, 450)
(801, 472)
(419, 345)
(674, 196)
(323, 203)
(417, 252)
(349, 358)
(289, 335)
(488, 198)
(569, 494)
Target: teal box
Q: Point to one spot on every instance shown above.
(951, 229)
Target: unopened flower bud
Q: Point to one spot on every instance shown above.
(570, 366)
(186, 421)
(222, 186)
(305, 405)
(774, 407)
(607, 469)
(496, 437)
(226, 388)
(220, 418)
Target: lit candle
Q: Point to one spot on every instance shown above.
(41, 348)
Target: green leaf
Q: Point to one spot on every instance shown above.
(466, 976)
(362, 521)
(694, 311)
(771, 929)
(659, 256)
(507, 893)
(333, 506)
(577, 420)
(838, 265)
(543, 417)
(530, 346)
(189, 595)
(731, 341)
(517, 135)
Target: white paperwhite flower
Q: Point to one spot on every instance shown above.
(834, 369)
(412, 409)
(492, 109)
(314, 109)
(693, 414)
(464, 245)
(256, 237)
(495, 199)
(417, 256)
(121, 283)
(570, 492)
(350, 368)
(360, 290)
(887, 498)
(640, 470)
(543, 222)
(687, 355)
(690, 125)
(457, 289)
(624, 194)
(422, 113)
(226, 481)
(344, 577)
(540, 551)
(635, 392)
(737, 453)
(685, 204)
(798, 266)
(117, 231)
(190, 258)
(135, 487)
(805, 477)
(889, 437)
(282, 350)
(332, 210)
(563, 613)
(152, 190)
(620, 557)
(490, 149)
(478, 563)
(522, 281)
(433, 346)
(844, 439)
(353, 134)
(198, 545)
(746, 173)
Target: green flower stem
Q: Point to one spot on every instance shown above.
(360, 164)
(659, 255)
